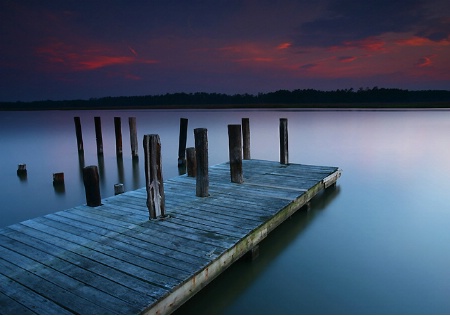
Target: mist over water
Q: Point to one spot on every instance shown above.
(376, 244)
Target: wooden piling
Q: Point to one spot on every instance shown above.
(98, 135)
(58, 178)
(118, 188)
(182, 141)
(191, 162)
(92, 186)
(154, 177)
(235, 153)
(79, 134)
(118, 132)
(201, 156)
(284, 153)
(133, 137)
(246, 138)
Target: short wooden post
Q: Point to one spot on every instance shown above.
(201, 156)
(58, 178)
(98, 135)
(118, 132)
(133, 137)
(92, 186)
(22, 169)
(153, 176)
(246, 138)
(191, 162)
(284, 153)
(78, 133)
(182, 141)
(118, 188)
(235, 153)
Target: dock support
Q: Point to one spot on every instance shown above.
(284, 153)
(118, 132)
(133, 137)
(78, 133)
(201, 155)
(153, 176)
(246, 138)
(92, 186)
(252, 254)
(98, 135)
(182, 141)
(235, 153)
(191, 163)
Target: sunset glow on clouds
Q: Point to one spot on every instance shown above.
(82, 49)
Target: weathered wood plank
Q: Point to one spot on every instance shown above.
(70, 252)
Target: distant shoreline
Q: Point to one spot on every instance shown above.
(375, 98)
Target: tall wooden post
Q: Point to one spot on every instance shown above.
(78, 133)
(98, 135)
(246, 138)
(191, 162)
(92, 186)
(201, 155)
(118, 132)
(182, 141)
(153, 176)
(235, 153)
(284, 153)
(133, 137)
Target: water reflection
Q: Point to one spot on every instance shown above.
(136, 173)
(60, 188)
(120, 171)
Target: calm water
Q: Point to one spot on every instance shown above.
(377, 244)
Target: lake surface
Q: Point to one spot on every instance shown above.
(379, 243)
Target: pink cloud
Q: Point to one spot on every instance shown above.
(284, 45)
(347, 59)
(60, 56)
(424, 61)
(370, 44)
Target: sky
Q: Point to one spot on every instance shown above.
(62, 50)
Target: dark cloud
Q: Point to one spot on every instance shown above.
(436, 29)
(354, 20)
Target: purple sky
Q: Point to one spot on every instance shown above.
(52, 49)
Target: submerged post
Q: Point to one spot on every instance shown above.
(284, 153)
(118, 188)
(22, 169)
(133, 137)
(191, 162)
(118, 132)
(246, 138)
(235, 153)
(78, 133)
(98, 135)
(58, 178)
(153, 176)
(201, 155)
(182, 141)
(92, 186)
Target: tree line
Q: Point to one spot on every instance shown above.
(300, 98)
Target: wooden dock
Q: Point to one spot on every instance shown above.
(112, 259)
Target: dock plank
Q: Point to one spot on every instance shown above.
(112, 259)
